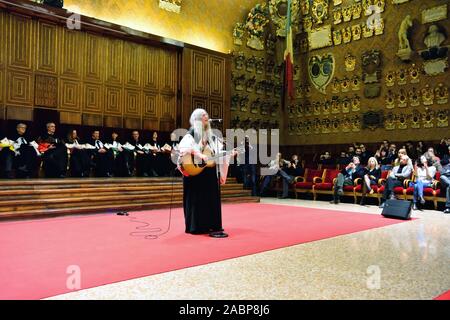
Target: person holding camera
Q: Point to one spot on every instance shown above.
(424, 173)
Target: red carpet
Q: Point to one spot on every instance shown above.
(35, 255)
(444, 296)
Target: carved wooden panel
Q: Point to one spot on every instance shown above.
(2, 38)
(168, 107)
(46, 91)
(94, 56)
(2, 112)
(94, 120)
(20, 42)
(92, 98)
(113, 121)
(46, 47)
(198, 102)
(2, 86)
(113, 100)
(150, 68)
(114, 56)
(70, 118)
(132, 123)
(216, 77)
(150, 124)
(132, 102)
(215, 109)
(150, 101)
(168, 71)
(69, 95)
(72, 53)
(132, 64)
(199, 73)
(19, 113)
(20, 88)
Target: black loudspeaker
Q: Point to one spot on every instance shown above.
(399, 209)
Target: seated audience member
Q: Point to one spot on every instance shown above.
(26, 156)
(392, 152)
(432, 158)
(424, 173)
(350, 154)
(371, 177)
(365, 155)
(410, 150)
(123, 157)
(102, 158)
(156, 159)
(420, 148)
(402, 152)
(442, 148)
(383, 160)
(295, 167)
(398, 174)
(347, 177)
(445, 179)
(54, 153)
(277, 168)
(342, 160)
(80, 160)
(141, 155)
(326, 159)
(6, 158)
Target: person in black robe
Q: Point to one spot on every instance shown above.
(157, 166)
(54, 155)
(26, 158)
(142, 161)
(80, 161)
(201, 193)
(123, 158)
(6, 161)
(102, 159)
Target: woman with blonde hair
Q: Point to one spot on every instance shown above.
(371, 177)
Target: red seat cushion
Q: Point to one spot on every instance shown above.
(323, 186)
(410, 191)
(304, 185)
(330, 174)
(311, 173)
(348, 188)
(398, 190)
(429, 192)
(381, 189)
(359, 188)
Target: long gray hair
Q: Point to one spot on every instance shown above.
(200, 132)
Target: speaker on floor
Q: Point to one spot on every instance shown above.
(398, 209)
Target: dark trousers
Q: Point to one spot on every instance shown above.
(445, 181)
(26, 162)
(285, 178)
(55, 162)
(249, 176)
(123, 163)
(142, 165)
(103, 163)
(6, 163)
(339, 183)
(391, 183)
(79, 163)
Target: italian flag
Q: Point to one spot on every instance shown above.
(289, 56)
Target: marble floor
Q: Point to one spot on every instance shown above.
(402, 261)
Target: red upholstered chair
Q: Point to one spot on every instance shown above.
(325, 184)
(432, 193)
(305, 184)
(400, 192)
(375, 188)
(327, 166)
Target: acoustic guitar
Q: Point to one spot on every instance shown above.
(190, 165)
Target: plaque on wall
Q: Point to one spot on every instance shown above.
(372, 120)
(320, 38)
(46, 91)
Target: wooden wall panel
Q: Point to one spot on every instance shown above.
(150, 68)
(133, 103)
(2, 86)
(70, 118)
(216, 77)
(150, 102)
(215, 109)
(92, 98)
(20, 42)
(72, 53)
(132, 64)
(20, 88)
(114, 56)
(46, 47)
(94, 58)
(70, 95)
(19, 113)
(199, 74)
(2, 39)
(168, 62)
(113, 100)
